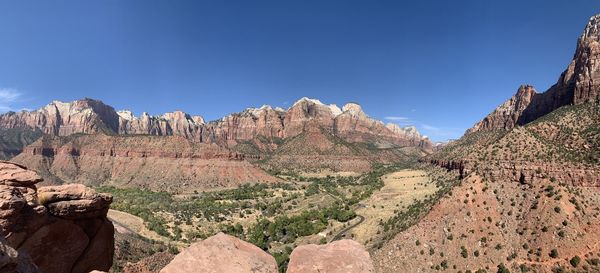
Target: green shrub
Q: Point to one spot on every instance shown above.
(502, 269)
(575, 261)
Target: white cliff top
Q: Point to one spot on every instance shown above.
(592, 29)
(126, 115)
(335, 110)
(305, 99)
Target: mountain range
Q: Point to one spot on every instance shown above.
(518, 192)
(88, 141)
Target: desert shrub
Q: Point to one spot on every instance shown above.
(575, 261)
(463, 252)
(502, 269)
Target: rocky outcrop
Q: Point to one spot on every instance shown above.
(61, 229)
(584, 71)
(222, 253)
(578, 84)
(507, 115)
(531, 172)
(344, 256)
(13, 261)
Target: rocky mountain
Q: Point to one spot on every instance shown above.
(52, 229)
(90, 142)
(555, 132)
(92, 116)
(578, 84)
(528, 202)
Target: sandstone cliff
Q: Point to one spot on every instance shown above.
(58, 229)
(536, 135)
(92, 116)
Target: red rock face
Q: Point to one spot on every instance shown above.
(91, 116)
(345, 256)
(60, 229)
(507, 115)
(169, 163)
(585, 72)
(222, 253)
(58, 118)
(579, 83)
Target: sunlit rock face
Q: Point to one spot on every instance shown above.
(53, 229)
(578, 84)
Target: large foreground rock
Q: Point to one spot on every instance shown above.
(222, 253)
(344, 256)
(57, 229)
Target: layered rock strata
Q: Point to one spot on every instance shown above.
(92, 116)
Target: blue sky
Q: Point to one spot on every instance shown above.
(440, 65)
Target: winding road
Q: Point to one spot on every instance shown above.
(343, 231)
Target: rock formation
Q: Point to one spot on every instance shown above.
(225, 253)
(92, 116)
(579, 83)
(170, 163)
(61, 119)
(61, 228)
(344, 256)
(13, 261)
(222, 253)
(507, 115)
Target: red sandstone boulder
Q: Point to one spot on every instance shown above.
(222, 253)
(10, 172)
(62, 230)
(74, 201)
(344, 256)
(13, 261)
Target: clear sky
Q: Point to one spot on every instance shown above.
(440, 65)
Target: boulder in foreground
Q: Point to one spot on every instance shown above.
(222, 253)
(56, 229)
(344, 256)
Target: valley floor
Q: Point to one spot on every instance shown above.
(315, 209)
